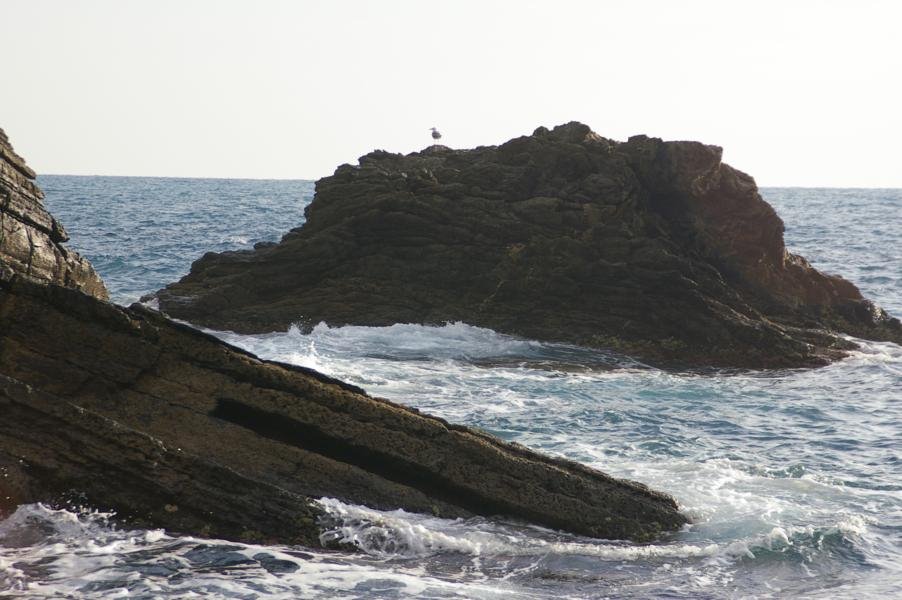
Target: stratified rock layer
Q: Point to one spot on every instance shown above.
(31, 240)
(124, 409)
(275, 427)
(657, 249)
(53, 450)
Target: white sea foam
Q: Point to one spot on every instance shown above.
(393, 534)
(885, 355)
(78, 554)
(152, 303)
(399, 342)
(240, 240)
(49, 553)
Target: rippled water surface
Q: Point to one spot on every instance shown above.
(793, 478)
(144, 232)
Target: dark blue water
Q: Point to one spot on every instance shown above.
(141, 233)
(794, 478)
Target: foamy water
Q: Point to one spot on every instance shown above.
(793, 478)
(775, 469)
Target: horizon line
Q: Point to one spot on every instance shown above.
(203, 177)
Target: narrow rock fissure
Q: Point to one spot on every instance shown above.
(30, 251)
(307, 437)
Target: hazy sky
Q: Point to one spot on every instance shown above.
(797, 92)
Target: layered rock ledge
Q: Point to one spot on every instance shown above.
(123, 409)
(180, 401)
(656, 249)
(31, 240)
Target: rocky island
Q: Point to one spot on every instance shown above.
(655, 249)
(124, 409)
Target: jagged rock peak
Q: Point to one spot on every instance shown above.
(31, 239)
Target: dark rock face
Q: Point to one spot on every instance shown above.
(57, 451)
(657, 249)
(127, 410)
(99, 374)
(31, 240)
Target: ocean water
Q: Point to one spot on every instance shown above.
(793, 478)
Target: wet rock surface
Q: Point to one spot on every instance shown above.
(277, 427)
(656, 249)
(124, 409)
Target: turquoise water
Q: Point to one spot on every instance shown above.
(793, 478)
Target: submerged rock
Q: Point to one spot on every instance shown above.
(652, 248)
(122, 408)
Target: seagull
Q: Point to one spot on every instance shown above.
(435, 134)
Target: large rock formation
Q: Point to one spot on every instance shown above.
(124, 409)
(653, 248)
(31, 240)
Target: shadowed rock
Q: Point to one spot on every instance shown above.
(124, 409)
(653, 248)
(54, 450)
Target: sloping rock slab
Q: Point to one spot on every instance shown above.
(236, 443)
(56, 451)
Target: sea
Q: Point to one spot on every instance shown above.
(792, 478)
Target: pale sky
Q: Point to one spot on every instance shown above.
(804, 93)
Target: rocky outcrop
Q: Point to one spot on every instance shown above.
(652, 248)
(132, 409)
(124, 409)
(31, 240)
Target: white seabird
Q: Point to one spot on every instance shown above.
(435, 134)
